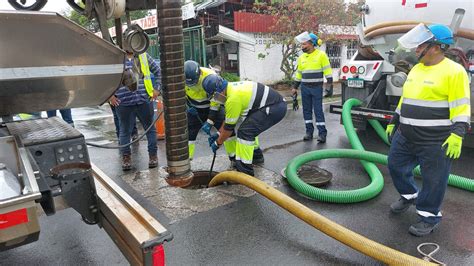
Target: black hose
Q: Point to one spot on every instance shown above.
(128, 144)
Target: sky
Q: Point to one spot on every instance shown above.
(52, 5)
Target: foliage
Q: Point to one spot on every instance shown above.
(93, 26)
(291, 17)
(230, 77)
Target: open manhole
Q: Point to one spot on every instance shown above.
(201, 179)
(312, 175)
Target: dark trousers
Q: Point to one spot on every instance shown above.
(66, 114)
(117, 123)
(403, 157)
(312, 98)
(127, 116)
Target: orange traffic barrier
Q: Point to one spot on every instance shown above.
(160, 123)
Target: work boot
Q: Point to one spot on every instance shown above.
(321, 139)
(401, 205)
(308, 137)
(258, 157)
(126, 162)
(153, 161)
(422, 228)
(244, 168)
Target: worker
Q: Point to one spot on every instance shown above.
(428, 128)
(203, 113)
(312, 67)
(259, 107)
(134, 99)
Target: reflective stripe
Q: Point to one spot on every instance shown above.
(308, 121)
(252, 100)
(428, 214)
(459, 102)
(214, 108)
(410, 196)
(243, 160)
(461, 118)
(201, 105)
(326, 67)
(297, 79)
(312, 80)
(320, 124)
(312, 71)
(425, 103)
(397, 110)
(191, 142)
(246, 142)
(231, 120)
(425, 122)
(265, 96)
(328, 76)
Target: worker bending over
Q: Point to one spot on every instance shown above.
(259, 107)
(432, 118)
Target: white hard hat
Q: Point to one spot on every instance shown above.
(303, 37)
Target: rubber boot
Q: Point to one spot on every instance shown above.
(244, 168)
(258, 156)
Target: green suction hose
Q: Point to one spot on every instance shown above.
(368, 160)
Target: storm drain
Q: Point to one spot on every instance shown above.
(312, 175)
(201, 179)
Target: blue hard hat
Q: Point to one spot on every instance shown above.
(213, 83)
(315, 39)
(442, 34)
(192, 71)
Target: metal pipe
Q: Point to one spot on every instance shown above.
(170, 32)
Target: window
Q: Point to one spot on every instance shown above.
(351, 49)
(333, 50)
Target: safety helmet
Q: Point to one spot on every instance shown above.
(192, 71)
(305, 37)
(436, 33)
(214, 84)
(442, 34)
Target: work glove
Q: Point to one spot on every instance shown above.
(296, 105)
(329, 90)
(389, 130)
(454, 143)
(207, 126)
(192, 111)
(213, 142)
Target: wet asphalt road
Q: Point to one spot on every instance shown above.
(253, 230)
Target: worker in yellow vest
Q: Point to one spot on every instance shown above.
(257, 106)
(312, 68)
(431, 119)
(203, 113)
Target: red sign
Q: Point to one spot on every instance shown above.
(13, 218)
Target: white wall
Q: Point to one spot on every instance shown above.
(265, 70)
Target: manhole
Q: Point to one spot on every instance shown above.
(200, 179)
(312, 175)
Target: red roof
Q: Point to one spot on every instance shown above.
(252, 22)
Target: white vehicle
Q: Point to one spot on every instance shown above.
(376, 73)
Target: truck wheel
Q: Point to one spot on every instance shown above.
(21, 5)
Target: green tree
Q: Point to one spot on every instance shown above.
(292, 17)
(92, 24)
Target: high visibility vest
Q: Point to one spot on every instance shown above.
(313, 68)
(433, 99)
(196, 94)
(146, 74)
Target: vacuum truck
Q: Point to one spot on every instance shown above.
(49, 63)
(377, 71)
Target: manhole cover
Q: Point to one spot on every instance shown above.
(312, 175)
(200, 179)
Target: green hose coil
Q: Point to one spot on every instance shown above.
(368, 160)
